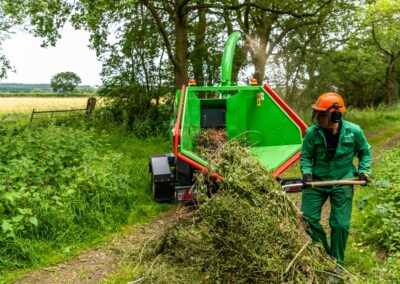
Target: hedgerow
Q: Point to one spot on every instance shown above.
(58, 187)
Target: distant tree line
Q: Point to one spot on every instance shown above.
(38, 88)
(24, 88)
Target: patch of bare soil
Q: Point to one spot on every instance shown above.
(390, 143)
(376, 132)
(95, 264)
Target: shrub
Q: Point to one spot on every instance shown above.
(135, 109)
(379, 216)
(58, 185)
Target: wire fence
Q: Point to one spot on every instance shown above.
(90, 106)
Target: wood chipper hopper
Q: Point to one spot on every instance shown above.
(253, 112)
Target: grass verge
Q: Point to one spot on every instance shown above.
(91, 207)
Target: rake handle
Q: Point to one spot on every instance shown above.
(336, 182)
(352, 181)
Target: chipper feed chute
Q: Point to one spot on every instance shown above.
(254, 113)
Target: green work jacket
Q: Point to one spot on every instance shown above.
(314, 158)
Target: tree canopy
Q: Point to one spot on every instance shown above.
(383, 18)
(302, 48)
(65, 82)
(6, 23)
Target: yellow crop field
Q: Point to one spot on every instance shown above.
(10, 105)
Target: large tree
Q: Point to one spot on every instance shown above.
(65, 82)
(268, 23)
(304, 63)
(383, 18)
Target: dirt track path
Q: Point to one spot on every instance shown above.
(390, 137)
(93, 265)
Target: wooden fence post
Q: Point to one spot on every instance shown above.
(90, 106)
(33, 112)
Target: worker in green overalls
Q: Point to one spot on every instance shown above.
(329, 148)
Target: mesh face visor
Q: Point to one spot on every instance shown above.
(321, 118)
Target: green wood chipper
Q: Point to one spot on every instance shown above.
(253, 111)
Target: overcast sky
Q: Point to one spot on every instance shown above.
(34, 64)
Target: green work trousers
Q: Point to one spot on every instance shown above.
(341, 205)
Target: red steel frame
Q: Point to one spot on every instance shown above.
(274, 96)
(177, 135)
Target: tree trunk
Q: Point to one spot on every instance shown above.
(258, 45)
(199, 54)
(288, 94)
(181, 49)
(389, 79)
(259, 59)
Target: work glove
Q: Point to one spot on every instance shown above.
(306, 179)
(364, 177)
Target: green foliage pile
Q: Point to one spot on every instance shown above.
(249, 232)
(209, 140)
(59, 187)
(379, 216)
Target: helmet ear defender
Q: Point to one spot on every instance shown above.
(328, 104)
(335, 115)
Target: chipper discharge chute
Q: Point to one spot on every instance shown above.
(255, 113)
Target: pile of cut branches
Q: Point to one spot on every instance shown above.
(209, 140)
(249, 232)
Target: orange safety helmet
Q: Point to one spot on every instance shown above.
(329, 102)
